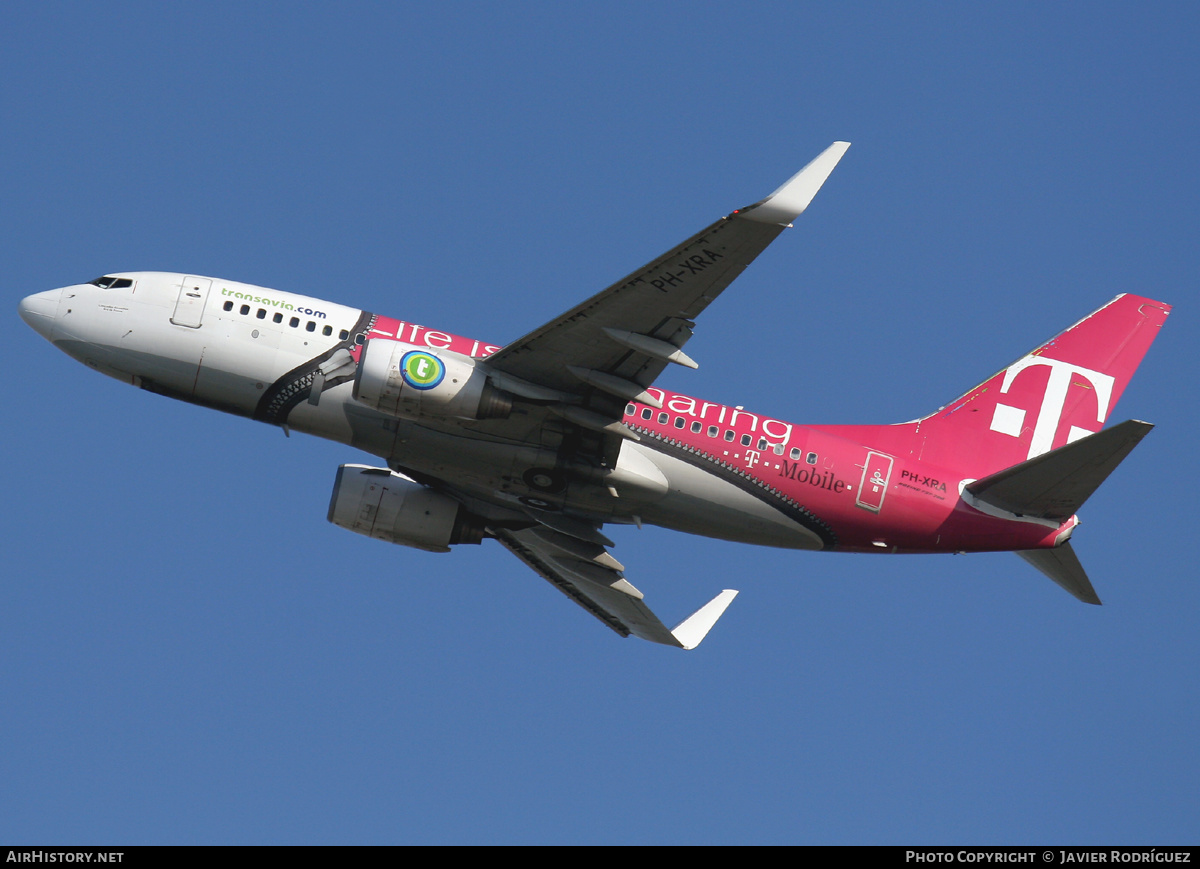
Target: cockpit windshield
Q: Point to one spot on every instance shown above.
(108, 282)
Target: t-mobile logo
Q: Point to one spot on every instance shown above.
(1010, 420)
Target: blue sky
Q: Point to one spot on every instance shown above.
(190, 653)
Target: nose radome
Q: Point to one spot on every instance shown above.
(38, 311)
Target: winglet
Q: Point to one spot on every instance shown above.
(695, 627)
(789, 201)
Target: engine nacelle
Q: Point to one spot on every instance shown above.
(379, 503)
(405, 380)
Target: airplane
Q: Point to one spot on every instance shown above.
(541, 442)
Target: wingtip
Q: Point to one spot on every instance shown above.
(695, 627)
(793, 197)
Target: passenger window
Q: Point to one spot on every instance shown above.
(664, 418)
(794, 455)
(278, 318)
(343, 334)
(262, 313)
(729, 435)
(245, 309)
(811, 458)
(229, 306)
(696, 426)
(746, 440)
(327, 330)
(311, 327)
(762, 443)
(713, 431)
(294, 322)
(647, 413)
(778, 449)
(630, 410)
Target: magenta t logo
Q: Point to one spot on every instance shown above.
(1010, 420)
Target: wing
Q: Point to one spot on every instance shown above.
(585, 572)
(618, 341)
(574, 376)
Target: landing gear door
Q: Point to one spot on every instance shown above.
(873, 486)
(189, 310)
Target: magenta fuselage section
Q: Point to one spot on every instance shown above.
(412, 333)
(864, 497)
(872, 500)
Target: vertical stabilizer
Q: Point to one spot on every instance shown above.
(1056, 394)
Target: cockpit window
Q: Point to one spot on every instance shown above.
(108, 282)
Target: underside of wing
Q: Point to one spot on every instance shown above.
(585, 572)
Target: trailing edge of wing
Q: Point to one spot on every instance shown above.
(589, 579)
(789, 201)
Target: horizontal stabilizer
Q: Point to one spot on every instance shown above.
(1054, 485)
(1062, 565)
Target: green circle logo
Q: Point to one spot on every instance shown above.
(421, 370)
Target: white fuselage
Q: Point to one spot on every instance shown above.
(255, 352)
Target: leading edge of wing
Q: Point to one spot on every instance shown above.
(590, 580)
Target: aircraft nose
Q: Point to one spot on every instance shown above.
(38, 311)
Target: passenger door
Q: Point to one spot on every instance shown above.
(189, 309)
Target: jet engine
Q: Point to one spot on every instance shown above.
(409, 381)
(378, 503)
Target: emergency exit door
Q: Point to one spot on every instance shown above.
(873, 486)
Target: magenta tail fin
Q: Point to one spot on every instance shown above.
(1058, 393)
